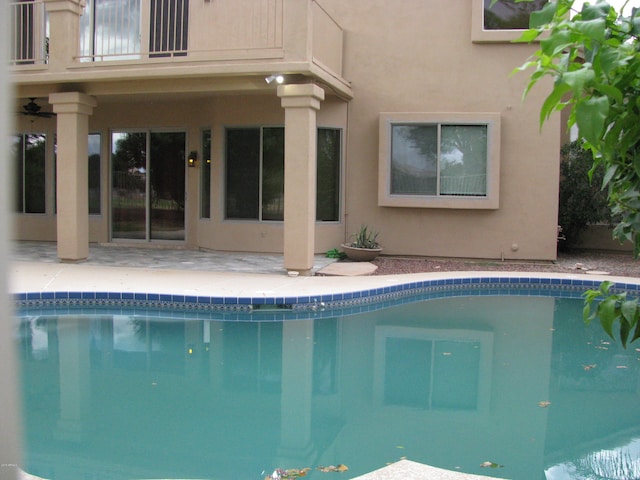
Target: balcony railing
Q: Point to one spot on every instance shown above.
(29, 41)
(194, 34)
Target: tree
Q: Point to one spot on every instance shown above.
(593, 58)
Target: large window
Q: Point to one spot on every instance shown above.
(29, 157)
(254, 183)
(503, 21)
(442, 160)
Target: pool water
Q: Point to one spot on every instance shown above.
(455, 382)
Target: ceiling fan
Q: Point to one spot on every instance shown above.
(34, 110)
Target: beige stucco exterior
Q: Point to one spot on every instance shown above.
(359, 60)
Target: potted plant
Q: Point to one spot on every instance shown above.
(364, 246)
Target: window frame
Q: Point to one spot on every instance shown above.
(260, 218)
(22, 205)
(481, 35)
(490, 201)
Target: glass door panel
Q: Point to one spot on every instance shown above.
(148, 185)
(167, 185)
(129, 185)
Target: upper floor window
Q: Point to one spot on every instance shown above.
(110, 30)
(503, 21)
(113, 30)
(439, 160)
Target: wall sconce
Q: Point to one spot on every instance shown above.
(192, 159)
(276, 77)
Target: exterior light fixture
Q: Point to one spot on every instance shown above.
(192, 159)
(276, 77)
(190, 350)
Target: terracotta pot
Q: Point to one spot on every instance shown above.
(361, 254)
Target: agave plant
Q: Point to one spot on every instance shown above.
(365, 238)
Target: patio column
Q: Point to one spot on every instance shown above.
(72, 173)
(64, 31)
(300, 103)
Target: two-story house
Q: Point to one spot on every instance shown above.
(281, 126)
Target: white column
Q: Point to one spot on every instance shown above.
(72, 173)
(301, 103)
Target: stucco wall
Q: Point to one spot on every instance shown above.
(419, 57)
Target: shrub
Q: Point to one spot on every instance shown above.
(581, 199)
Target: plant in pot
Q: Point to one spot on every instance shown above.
(364, 246)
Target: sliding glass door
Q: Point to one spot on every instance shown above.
(148, 185)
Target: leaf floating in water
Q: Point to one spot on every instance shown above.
(491, 465)
(331, 468)
(589, 367)
(544, 404)
(280, 474)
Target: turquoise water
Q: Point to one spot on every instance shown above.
(455, 382)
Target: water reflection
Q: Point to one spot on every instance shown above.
(451, 382)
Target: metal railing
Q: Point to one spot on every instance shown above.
(29, 40)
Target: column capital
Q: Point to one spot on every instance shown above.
(306, 95)
(74, 6)
(72, 102)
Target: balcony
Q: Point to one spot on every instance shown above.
(73, 41)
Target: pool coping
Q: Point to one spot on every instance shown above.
(270, 297)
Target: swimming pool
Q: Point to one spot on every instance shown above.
(158, 388)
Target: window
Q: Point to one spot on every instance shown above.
(205, 179)
(328, 178)
(95, 141)
(439, 160)
(503, 21)
(29, 156)
(110, 30)
(254, 181)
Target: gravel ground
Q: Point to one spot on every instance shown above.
(615, 264)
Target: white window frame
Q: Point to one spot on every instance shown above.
(490, 201)
(480, 35)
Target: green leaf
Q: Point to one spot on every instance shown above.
(556, 42)
(610, 91)
(607, 314)
(528, 36)
(578, 79)
(592, 11)
(625, 328)
(593, 29)
(590, 116)
(629, 309)
(553, 102)
(543, 16)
